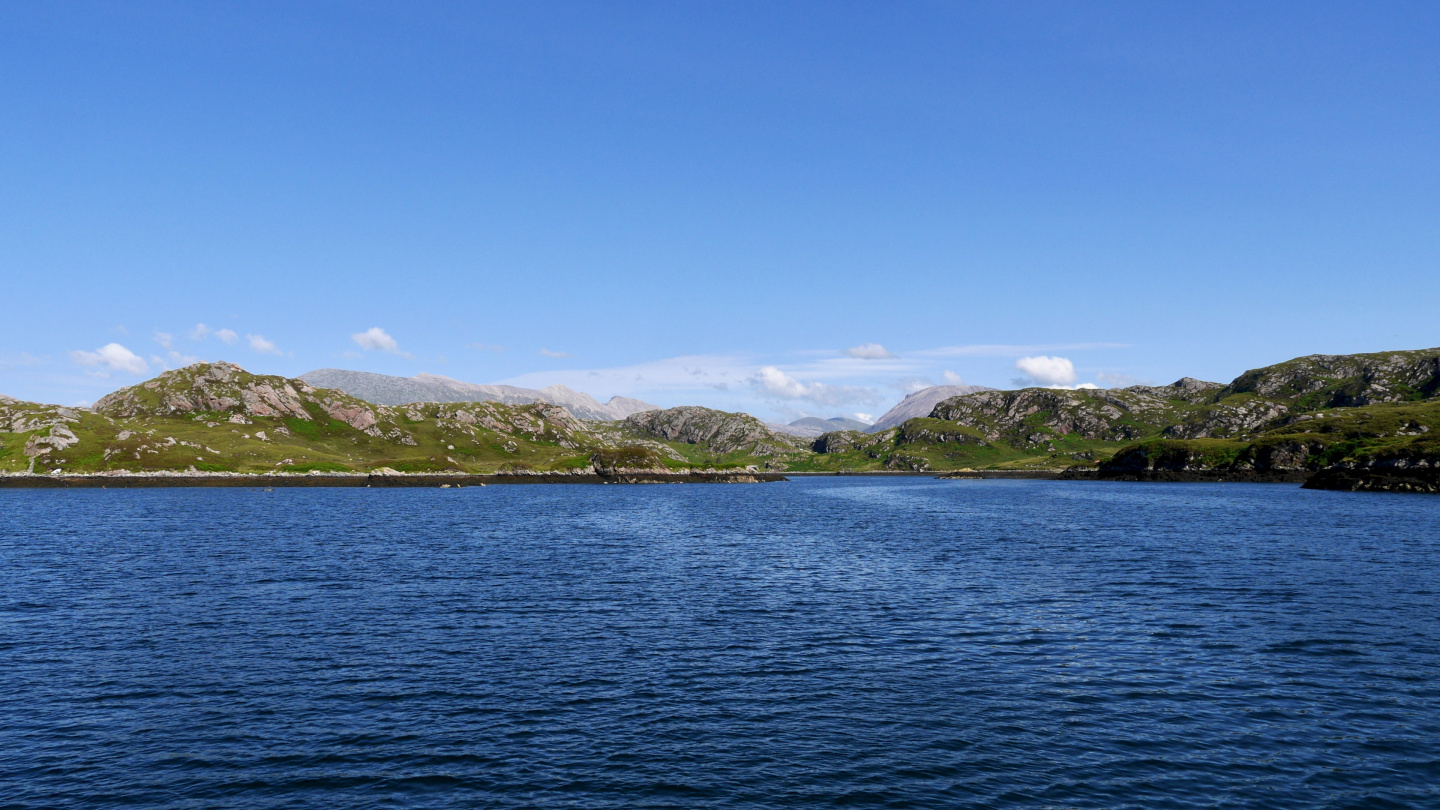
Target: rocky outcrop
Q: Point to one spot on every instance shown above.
(841, 441)
(1030, 417)
(214, 387)
(718, 431)
(1420, 480)
(1235, 416)
(632, 459)
(25, 417)
(1344, 381)
(934, 431)
(1185, 389)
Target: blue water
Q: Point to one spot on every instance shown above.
(855, 642)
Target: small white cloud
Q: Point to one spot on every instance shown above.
(868, 351)
(548, 353)
(773, 381)
(864, 417)
(376, 339)
(260, 344)
(227, 337)
(165, 339)
(1047, 371)
(953, 379)
(200, 332)
(114, 357)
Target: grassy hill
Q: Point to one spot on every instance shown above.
(1353, 412)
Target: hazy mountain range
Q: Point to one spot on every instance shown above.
(812, 426)
(382, 389)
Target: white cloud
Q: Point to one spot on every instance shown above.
(114, 357)
(227, 337)
(165, 339)
(951, 378)
(548, 353)
(864, 417)
(868, 351)
(1048, 371)
(260, 344)
(772, 382)
(200, 332)
(376, 339)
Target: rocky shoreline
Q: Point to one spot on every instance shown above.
(1395, 479)
(188, 479)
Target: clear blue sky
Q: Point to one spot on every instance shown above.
(711, 202)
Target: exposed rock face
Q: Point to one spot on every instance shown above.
(1344, 381)
(223, 387)
(1089, 413)
(1269, 457)
(718, 431)
(382, 389)
(921, 403)
(1228, 418)
(1186, 389)
(631, 459)
(907, 463)
(59, 438)
(23, 417)
(841, 441)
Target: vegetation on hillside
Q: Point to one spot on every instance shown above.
(1308, 413)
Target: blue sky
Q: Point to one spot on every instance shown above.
(797, 208)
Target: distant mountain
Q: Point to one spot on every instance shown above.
(382, 389)
(812, 426)
(833, 423)
(920, 403)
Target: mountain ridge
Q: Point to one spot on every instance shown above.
(384, 389)
(1342, 421)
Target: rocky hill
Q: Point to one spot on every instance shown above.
(1361, 421)
(920, 404)
(1321, 381)
(717, 431)
(217, 417)
(383, 389)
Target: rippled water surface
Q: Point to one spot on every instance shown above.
(843, 641)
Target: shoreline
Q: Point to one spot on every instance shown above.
(181, 479)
